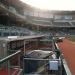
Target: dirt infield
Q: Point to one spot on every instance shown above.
(68, 50)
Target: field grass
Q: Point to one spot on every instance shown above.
(72, 38)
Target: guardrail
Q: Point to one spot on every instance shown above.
(9, 57)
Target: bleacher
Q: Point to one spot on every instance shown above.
(6, 30)
(4, 5)
(4, 2)
(61, 24)
(73, 23)
(39, 18)
(41, 22)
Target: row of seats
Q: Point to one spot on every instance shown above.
(42, 22)
(73, 23)
(67, 32)
(11, 8)
(48, 21)
(39, 18)
(65, 24)
(13, 30)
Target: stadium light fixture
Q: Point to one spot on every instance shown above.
(52, 4)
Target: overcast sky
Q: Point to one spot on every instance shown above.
(52, 4)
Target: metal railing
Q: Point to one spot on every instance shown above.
(6, 63)
(40, 66)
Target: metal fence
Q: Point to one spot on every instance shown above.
(42, 66)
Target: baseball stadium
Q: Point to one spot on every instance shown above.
(37, 37)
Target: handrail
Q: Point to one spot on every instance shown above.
(41, 59)
(8, 57)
